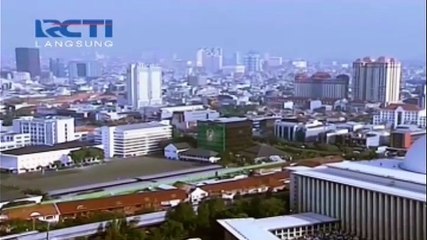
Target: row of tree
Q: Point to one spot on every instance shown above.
(184, 222)
(86, 154)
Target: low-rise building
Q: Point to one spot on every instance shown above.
(401, 114)
(293, 129)
(249, 185)
(199, 155)
(173, 150)
(14, 140)
(134, 139)
(130, 204)
(187, 120)
(403, 137)
(47, 212)
(33, 158)
(287, 227)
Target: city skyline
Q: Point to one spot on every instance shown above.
(394, 29)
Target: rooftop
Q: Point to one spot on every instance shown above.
(120, 201)
(28, 212)
(373, 177)
(47, 148)
(137, 126)
(406, 107)
(31, 118)
(255, 229)
(200, 152)
(228, 120)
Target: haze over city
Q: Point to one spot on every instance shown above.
(309, 29)
(213, 119)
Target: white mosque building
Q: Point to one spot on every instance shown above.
(375, 200)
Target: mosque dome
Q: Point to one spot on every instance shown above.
(415, 159)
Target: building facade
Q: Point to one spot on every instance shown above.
(83, 69)
(224, 134)
(376, 80)
(401, 114)
(252, 62)
(404, 138)
(185, 120)
(292, 129)
(14, 140)
(144, 85)
(381, 199)
(36, 158)
(134, 139)
(211, 59)
(47, 130)
(28, 60)
(322, 86)
(57, 67)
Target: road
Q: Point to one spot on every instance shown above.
(92, 228)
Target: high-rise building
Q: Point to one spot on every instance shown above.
(28, 60)
(47, 130)
(144, 85)
(322, 86)
(376, 80)
(57, 67)
(252, 62)
(211, 59)
(237, 60)
(93, 69)
(90, 69)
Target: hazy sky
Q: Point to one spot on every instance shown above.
(313, 29)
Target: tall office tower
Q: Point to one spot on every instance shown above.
(57, 67)
(199, 57)
(76, 69)
(93, 69)
(252, 62)
(28, 60)
(144, 85)
(237, 60)
(90, 69)
(376, 80)
(211, 59)
(47, 130)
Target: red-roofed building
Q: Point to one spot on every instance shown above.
(322, 86)
(401, 114)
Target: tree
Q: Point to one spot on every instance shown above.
(57, 164)
(120, 229)
(173, 230)
(271, 207)
(184, 214)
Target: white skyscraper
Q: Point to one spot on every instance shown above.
(144, 85)
(376, 80)
(211, 59)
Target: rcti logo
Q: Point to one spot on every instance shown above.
(56, 29)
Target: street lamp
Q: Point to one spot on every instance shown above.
(34, 216)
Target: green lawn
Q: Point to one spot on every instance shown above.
(110, 171)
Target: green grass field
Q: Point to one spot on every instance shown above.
(109, 171)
